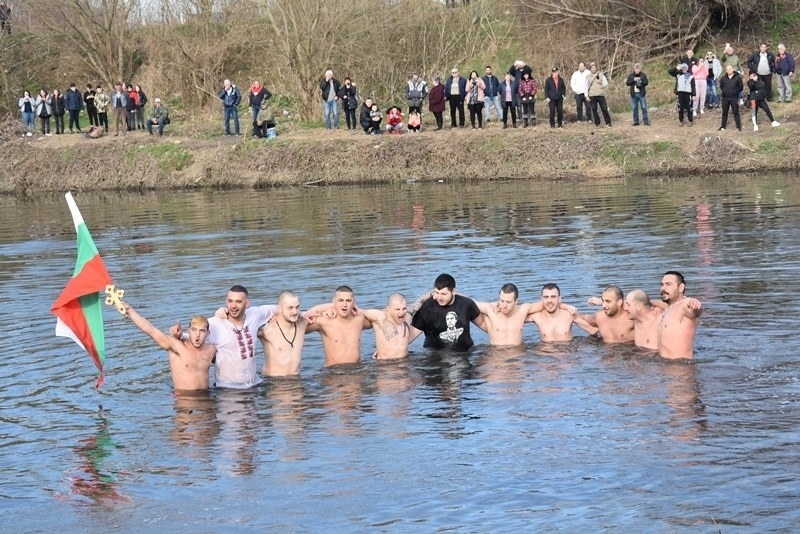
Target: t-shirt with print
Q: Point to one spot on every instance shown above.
(236, 361)
(446, 327)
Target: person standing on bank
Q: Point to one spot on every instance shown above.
(74, 100)
(527, 95)
(27, 106)
(119, 101)
(758, 99)
(554, 92)
(330, 88)
(436, 102)
(491, 95)
(230, 97)
(685, 89)
(43, 111)
(578, 83)
(596, 94)
(91, 108)
(348, 95)
(475, 98)
(784, 70)
(730, 87)
(637, 82)
(101, 102)
(509, 89)
(416, 91)
(455, 89)
(58, 105)
(258, 93)
(762, 62)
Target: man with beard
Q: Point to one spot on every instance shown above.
(645, 317)
(233, 330)
(555, 323)
(612, 321)
(445, 318)
(679, 322)
(282, 338)
(393, 333)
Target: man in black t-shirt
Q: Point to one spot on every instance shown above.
(445, 317)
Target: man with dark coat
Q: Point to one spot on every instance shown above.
(554, 92)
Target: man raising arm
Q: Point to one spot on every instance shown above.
(190, 360)
(679, 322)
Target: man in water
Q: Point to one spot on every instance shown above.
(445, 317)
(679, 322)
(504, 319)
(341, 334)
(233, 330)
(393, 333)
(612, 321)
(646, 319)
(555, 323)
(189, 360)
(282, 338)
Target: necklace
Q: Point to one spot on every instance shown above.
(291, 343)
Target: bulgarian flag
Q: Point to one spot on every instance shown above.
(79, 307)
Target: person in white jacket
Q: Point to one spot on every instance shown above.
(578, 84)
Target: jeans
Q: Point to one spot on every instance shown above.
(490, 101)
(231, 112)
(639, 100)
(160, 126)
(29, 119)
(331, 108)
(712, 96)
(784, 88)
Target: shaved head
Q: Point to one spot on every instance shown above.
(285, 296)
(639, 296)
(396, 298)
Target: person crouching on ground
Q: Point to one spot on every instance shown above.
(685, 89)
(394, 120)
(758, 99)
(264, 125)
(414, 122)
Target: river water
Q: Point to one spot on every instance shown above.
(580, 437)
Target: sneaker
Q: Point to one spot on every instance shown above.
(636, 124)
(702, 112)
(608, 126)
(775, 123)
(721, 130)
(29, 134)
(755, 127)
(739, 129)
(647, 123)
(694, 113)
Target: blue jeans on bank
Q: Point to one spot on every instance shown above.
(331, 108)
(231, 112)
(29, 119)
(639, 99)
(712, 97)
(490, 101)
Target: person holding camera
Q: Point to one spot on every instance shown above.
(637, 81)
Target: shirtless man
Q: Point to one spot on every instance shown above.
(504, 319)
(555, 323)
(341, 334)
(645, 317)
(282, 338)
(612, 321)
(189, 360)
(679, 322)
(393, 331)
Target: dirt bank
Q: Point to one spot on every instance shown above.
(306, 157)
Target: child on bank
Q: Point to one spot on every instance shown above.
(414, 122)
(758, 99)
(375, 118)
(394, 120)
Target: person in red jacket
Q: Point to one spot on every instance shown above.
(527, 95)
(394, 120)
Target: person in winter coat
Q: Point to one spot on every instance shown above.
(596, 93)
(74, 103)
(685, 89)
(130, 109)
(101, 102)
(700, 74)
(554, 92)
(394, 120)
(140, 104)
(58, 106)
(455, 90)
(527, 95)
(416, 91)
(762, 62)
(784, 70)
(436, 102)
(714, 68)
(730, 87)
(375, 118)
(44, 110)
(758, 99)
(348, 96)
(364, 118)
(475, 99)
(231, 97)
(330, 88)
(637, 82)
(91, 108)
(509, 91)
(258, 94)
(27, 106)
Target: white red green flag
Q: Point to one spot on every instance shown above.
(79, 307)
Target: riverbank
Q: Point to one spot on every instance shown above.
(301, 157)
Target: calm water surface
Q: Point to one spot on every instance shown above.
(579, 437)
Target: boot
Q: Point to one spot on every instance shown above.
(525, 123)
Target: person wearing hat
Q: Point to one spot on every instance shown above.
(158, 115)
(637, 81)
(554, 92)
(685, 89)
